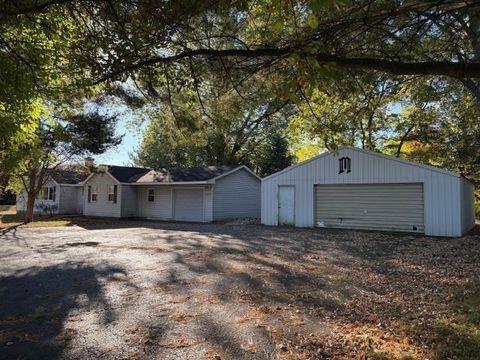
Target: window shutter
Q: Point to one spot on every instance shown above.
(89, 191)
(114, 194)
(54, 189)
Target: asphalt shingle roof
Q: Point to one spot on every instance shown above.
(125, 174)
(68, 176)
(183, 174)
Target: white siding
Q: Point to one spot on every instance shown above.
(102, 207)
(68, 196)
(80, 199)
(21, 204)
(188, 204)
(237, 196)
(129, 200)
(208, 203)
(161, 208)
(441, 189)
(468, 205)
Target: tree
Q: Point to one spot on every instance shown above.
(276, 156)
(211, 124)
(58, 141)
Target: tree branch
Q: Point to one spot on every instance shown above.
(395, 67)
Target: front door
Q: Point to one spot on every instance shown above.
(286, 205)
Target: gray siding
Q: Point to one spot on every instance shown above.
(129, 201)
(237, 196)
(68, 196)
(441, 189)
(161, 208)
(188, 204)
(102, 207)
(468, 205)
(80, 200)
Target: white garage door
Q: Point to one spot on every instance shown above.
(394, 207)
(188, 204)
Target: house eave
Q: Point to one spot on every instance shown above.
(169, 183)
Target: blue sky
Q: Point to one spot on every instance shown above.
(120, 154)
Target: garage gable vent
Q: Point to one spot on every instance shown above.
(344, 164)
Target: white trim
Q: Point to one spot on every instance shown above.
(240, 167)
(92, 193)
(100, 173)
(84, 182)
(168, 184)
(388, 157)
(111, 193)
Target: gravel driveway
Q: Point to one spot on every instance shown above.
(223, 291)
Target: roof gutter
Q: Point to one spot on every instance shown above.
(169, 183)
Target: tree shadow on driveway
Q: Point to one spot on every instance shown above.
(35, 303)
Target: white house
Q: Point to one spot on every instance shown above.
(358, 189)
(62, 193)
(200, 194)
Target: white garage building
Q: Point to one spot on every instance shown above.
(359, 189)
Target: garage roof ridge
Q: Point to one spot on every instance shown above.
(408, 162)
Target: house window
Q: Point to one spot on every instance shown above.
(93, 193)
(47, 193)
(112, 193)
(151, 195)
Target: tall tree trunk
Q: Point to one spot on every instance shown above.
(33, 185)
(30, 207)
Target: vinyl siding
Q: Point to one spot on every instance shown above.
(102, 207)
(161, 208)
(441, 189)
(68, 196)
(468, 205)
(129, 201)
(237, 196)
(188, 204)
(21, 204)
(80, 199)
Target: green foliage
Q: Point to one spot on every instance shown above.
(276, 156)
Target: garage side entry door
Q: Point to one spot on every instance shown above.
(393, 207)
(286, 205)
(188, 204)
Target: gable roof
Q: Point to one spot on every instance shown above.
(184, 174)
(68, 177)
(370, 152)
(125, 174)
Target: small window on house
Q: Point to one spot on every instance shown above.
(93, 193)
(151, 195)
(112, 193)
(43, 194)
(47, 193)
(52, 193)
